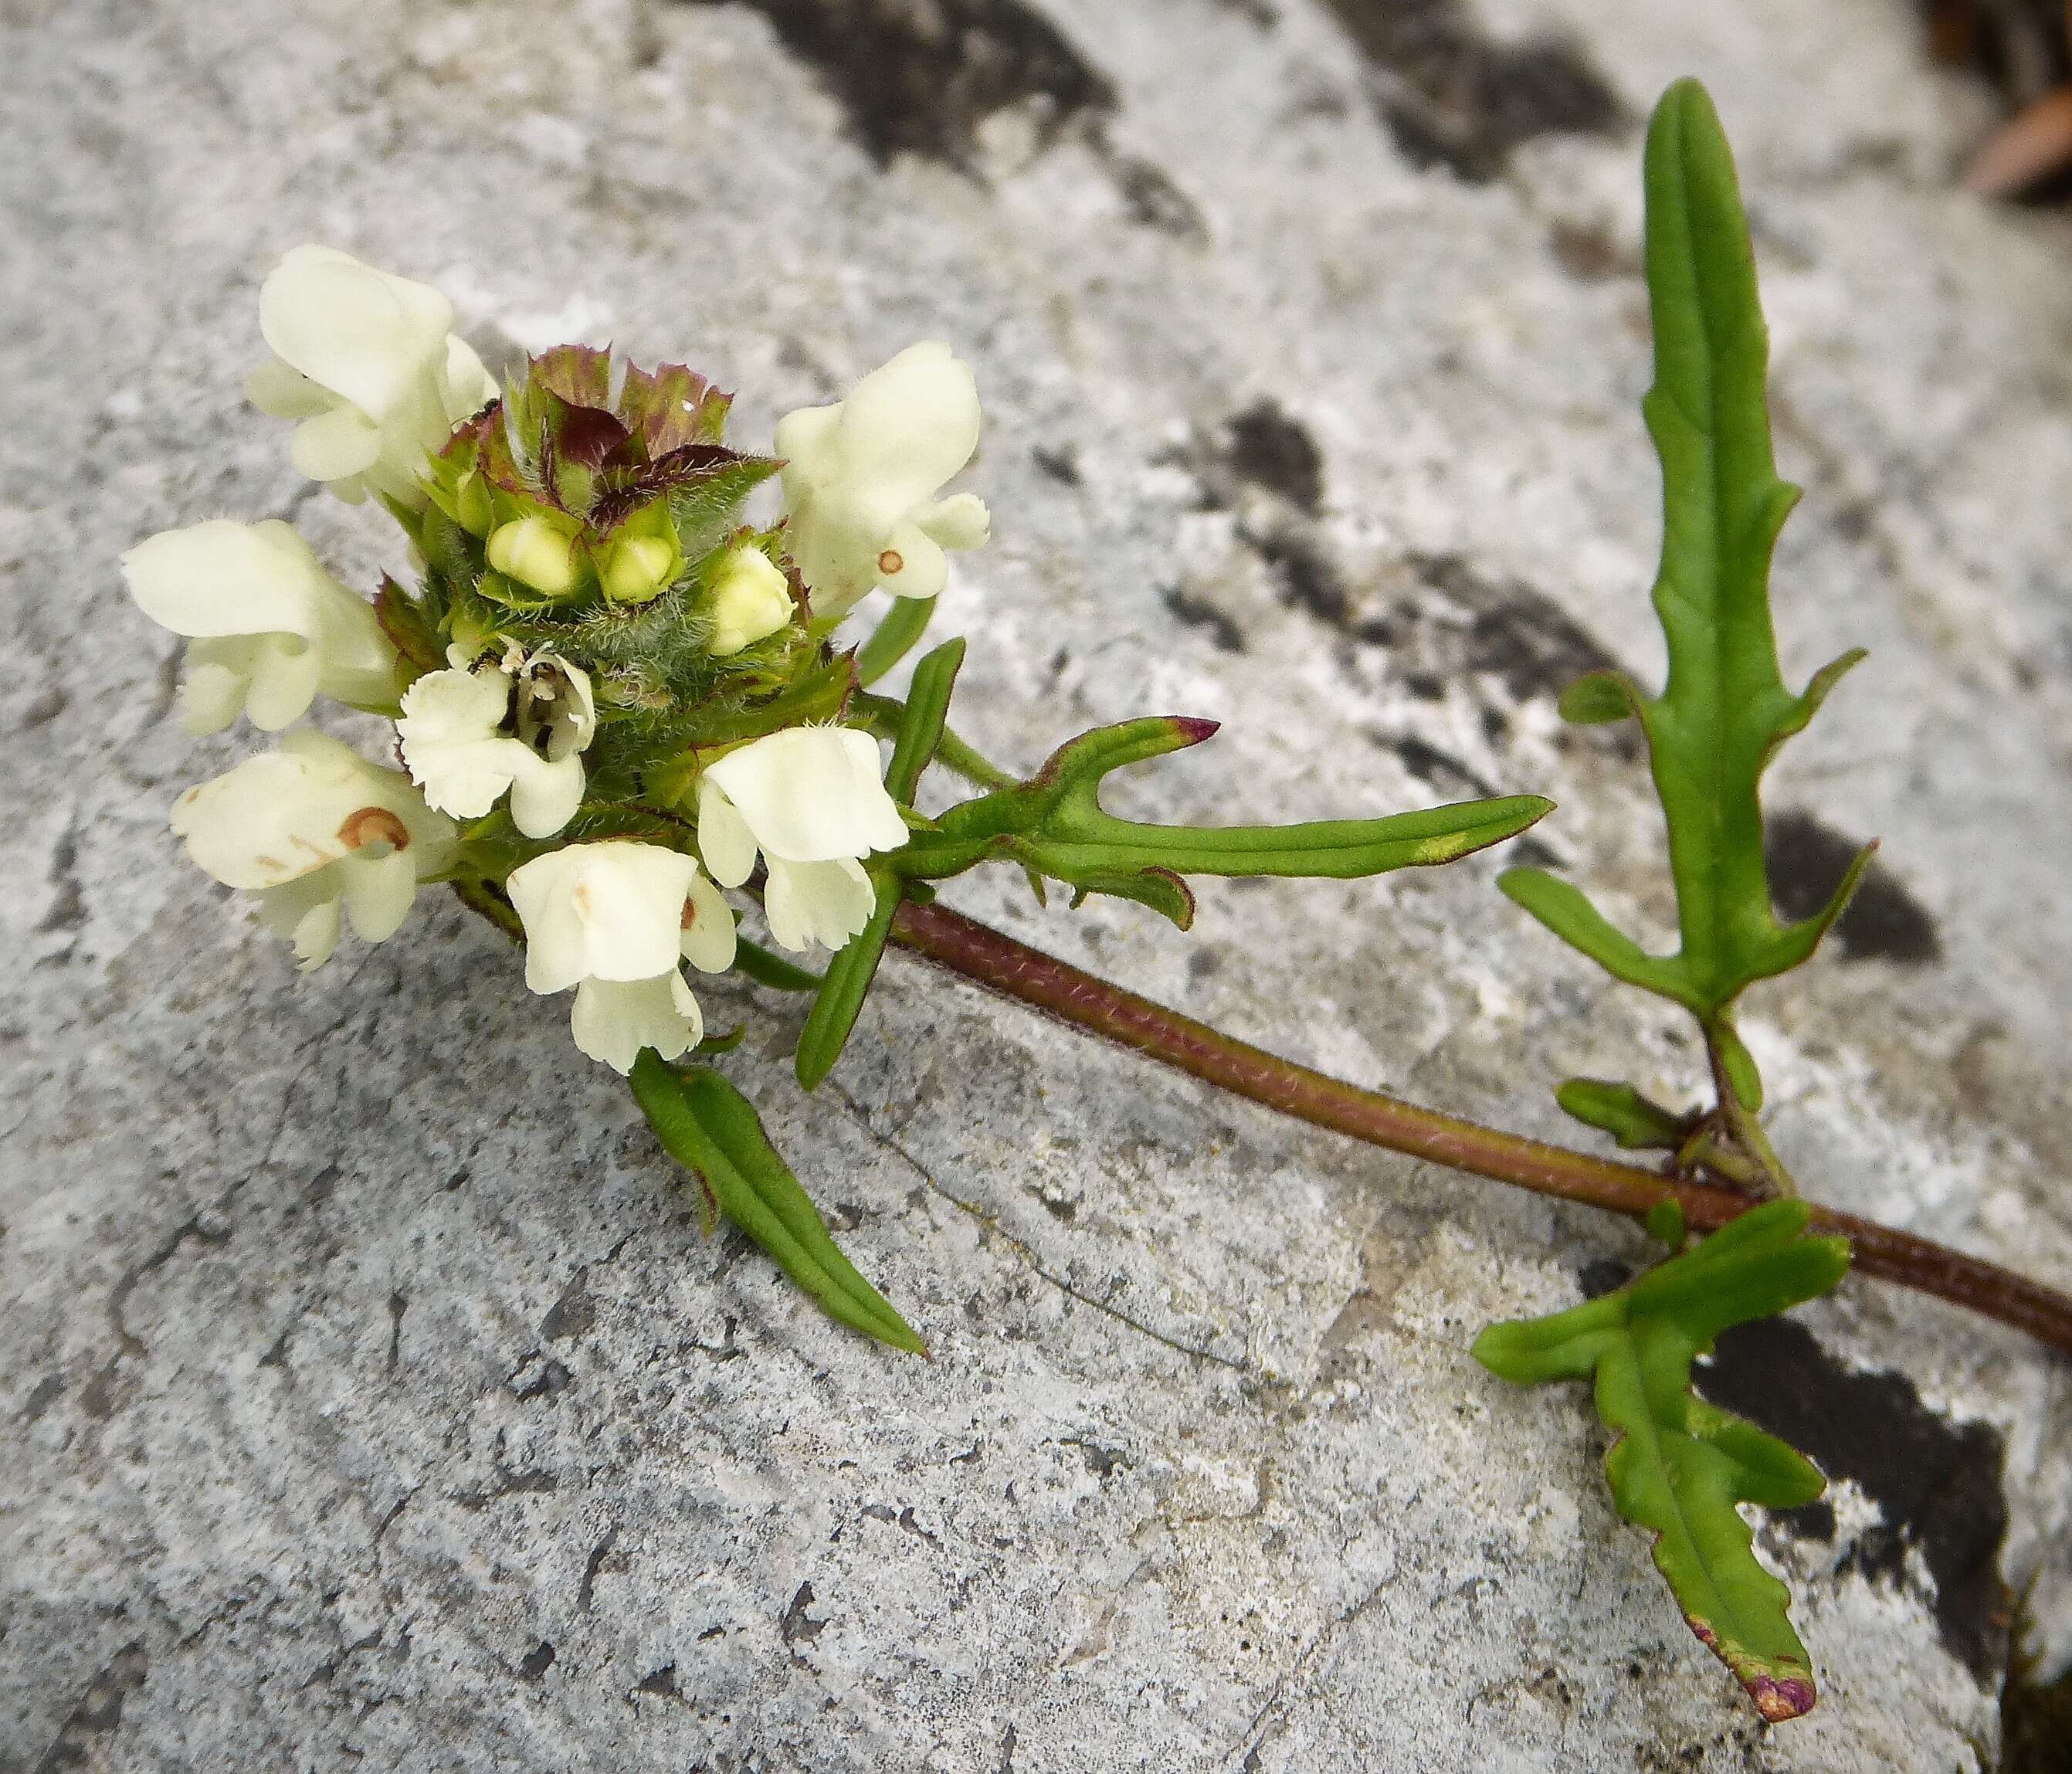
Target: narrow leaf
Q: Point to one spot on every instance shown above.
(894, 638)
(1680, 1466)
(833, 1017)
(768, 968)
(1636, 1123)
(1564, 910)
(710, 1128)
(927, 709)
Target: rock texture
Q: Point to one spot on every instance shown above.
(370, 1399)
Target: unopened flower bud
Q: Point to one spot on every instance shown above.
(534, 552)
(750, 599)
(637, 568)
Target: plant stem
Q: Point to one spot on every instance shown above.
(1002, 965)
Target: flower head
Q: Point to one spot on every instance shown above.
(315, 831)
(811, 798)
(368, 364)
(613, 919)
(518, 724)
(861, 479)
(270, 627)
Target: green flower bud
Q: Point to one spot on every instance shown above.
(637, 568)
(750, 599)
(534, 552)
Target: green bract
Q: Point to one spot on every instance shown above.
(1679, 1465)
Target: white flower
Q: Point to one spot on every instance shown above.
(750, 599)
(468, 735)
(861, 479)
(369, 365)
(613, 919)
(270, 627)
(812, 800)
(314, 829)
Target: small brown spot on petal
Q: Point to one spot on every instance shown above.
(891, 561)
(373, 825)
(690, 913)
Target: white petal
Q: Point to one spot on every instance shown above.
(287, 814)
(469, 387)
(556, 949)
(612, 911)
(336, 444)
(220, 577)
(824, 902)
(612, 1020)
(370, 337)
(282, 392)
(379, 892)
(913, 564)
(709, 940)
(316, 935)
(450, 742)
(960, 522)
(285, 669)
(212, 694)
(543, 796)
(724, 840)
(809, 794)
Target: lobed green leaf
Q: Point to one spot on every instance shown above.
(1724, 709)
(1680, 1466)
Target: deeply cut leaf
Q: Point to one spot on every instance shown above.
(1679, 1465)
(1054, 825)
(710, 1128)
(1725, 710)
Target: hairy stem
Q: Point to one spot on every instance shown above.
(1002, 965)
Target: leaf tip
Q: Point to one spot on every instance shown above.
(1782, 1698)
(1192, 729)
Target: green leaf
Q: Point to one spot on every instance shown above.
(768, 969)
(893, 639)
(921, 727)
(1601, 697)
(1636, 1123)
(1055, 824)
(710, 1128)
(1679, 1465)
(1725, 710)
(833, 1017)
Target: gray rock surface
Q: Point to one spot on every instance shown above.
(370, 1399)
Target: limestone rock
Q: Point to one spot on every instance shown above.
(371, 1398)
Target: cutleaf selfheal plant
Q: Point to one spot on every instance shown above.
(619, 700)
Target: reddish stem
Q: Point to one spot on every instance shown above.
(1002, 965)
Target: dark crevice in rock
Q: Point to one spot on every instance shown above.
(1267, 448)
(919, 76)
(1440, 770)
(1453, 97)
(1805, 860)
(1936, 1482)
(98, 1713)
(797, 1627)
(538, 1660)
(573, 1313)
(1521, 635)
(1199, 613)
(1309, 578)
